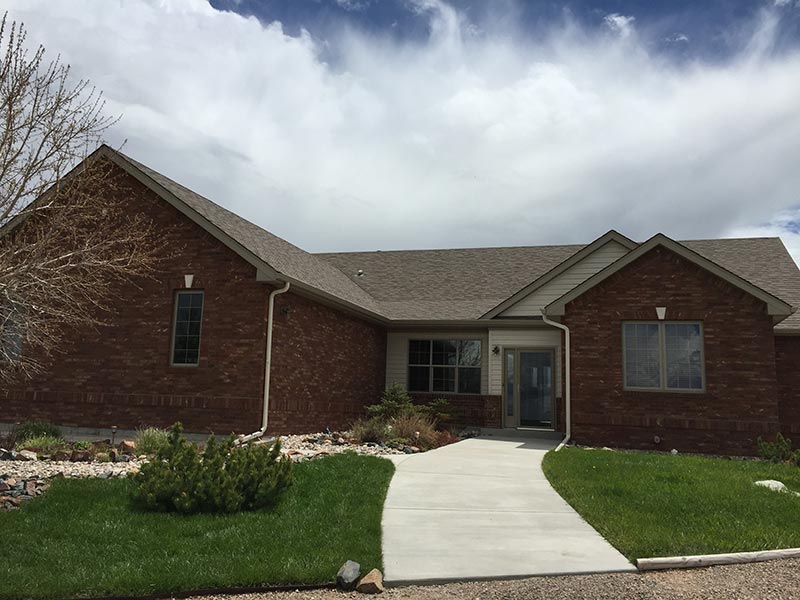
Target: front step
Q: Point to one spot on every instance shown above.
(522, 432)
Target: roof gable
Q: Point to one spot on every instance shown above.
(776, 307)
(273, 257)
(610, 238)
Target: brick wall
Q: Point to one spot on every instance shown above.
(327, 366)
(121, 374)
(787, 363)
(739, 403)
(469, 410)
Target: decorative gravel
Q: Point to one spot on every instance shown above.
(298, 447)
(776, 580)
(46, 469)
(315, 445)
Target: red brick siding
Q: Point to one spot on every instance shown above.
(469, 410)
(327, 366)
(787, 363)
(121, 374)
(739, 403)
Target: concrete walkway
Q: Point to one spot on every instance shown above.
(482, 508)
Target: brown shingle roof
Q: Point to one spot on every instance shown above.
(283, 257)
(466, 283)
(459, 284)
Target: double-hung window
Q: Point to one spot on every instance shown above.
(663, 355)
(186, 331)
(444, 366)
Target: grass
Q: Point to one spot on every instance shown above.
(649, 504)
(84, 538)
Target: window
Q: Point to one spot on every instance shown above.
(444, 366)
(663, 356)
(10, 335)
(186, 337)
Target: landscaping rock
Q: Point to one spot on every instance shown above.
(127, 447)
(25, 455)
(347, 577)
(14, 492)
(775, 486)
(81, 456)
(60, 456)
(371, 583)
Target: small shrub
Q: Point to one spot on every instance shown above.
(35, 429)
(370, 430)
(395, 402)
(778, 451)
(220, 479)
(439, 410)
(418, 430)
(81, 445)
(151, 440)
(45, 444)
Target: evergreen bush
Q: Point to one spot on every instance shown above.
(222, 478)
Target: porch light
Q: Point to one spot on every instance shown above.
(496, 350)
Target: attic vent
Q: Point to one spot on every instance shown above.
(360, 273)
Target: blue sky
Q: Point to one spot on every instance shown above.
(707, 29)
(380, 124)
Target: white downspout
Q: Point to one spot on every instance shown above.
(567, 405)
(267, 369)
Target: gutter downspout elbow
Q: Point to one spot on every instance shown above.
(267, 369)
(567, 403)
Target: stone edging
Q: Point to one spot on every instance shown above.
(708, 560)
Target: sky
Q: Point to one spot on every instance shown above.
(346, 125)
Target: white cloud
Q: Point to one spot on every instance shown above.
(353, 5)
(462, 140)
(676, 38)
(620, 24)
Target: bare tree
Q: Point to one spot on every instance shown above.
(63, 249)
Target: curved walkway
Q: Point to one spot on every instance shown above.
(482, 508)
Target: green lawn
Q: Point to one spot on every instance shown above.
(83, 537)
(649, 504)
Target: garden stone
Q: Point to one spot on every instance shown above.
(26, 455)
(4, 487)
(60, 456)
(775, 486)
(81, 456)
(347, 577)
(127, 447)
(371, 583)
(6, 454)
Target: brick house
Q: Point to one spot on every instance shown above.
(661, 344)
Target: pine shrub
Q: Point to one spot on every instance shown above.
(222, 478)
(778, 451)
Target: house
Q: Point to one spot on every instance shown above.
(658, 344)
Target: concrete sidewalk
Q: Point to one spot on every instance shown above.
(482, 508)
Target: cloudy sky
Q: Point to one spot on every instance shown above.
(380, 124)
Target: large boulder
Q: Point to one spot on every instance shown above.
(81, 456)
(347, 577)
(127, 447)
(371, 583)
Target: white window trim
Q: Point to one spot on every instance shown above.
(175, 327)
(432, 366)
(662, 359)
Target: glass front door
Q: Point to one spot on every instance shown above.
(528, 388)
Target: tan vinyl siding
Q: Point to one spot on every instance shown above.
(530, 305)
(397, 352)
(542, 337)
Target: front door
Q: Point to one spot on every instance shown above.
(528, 388)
